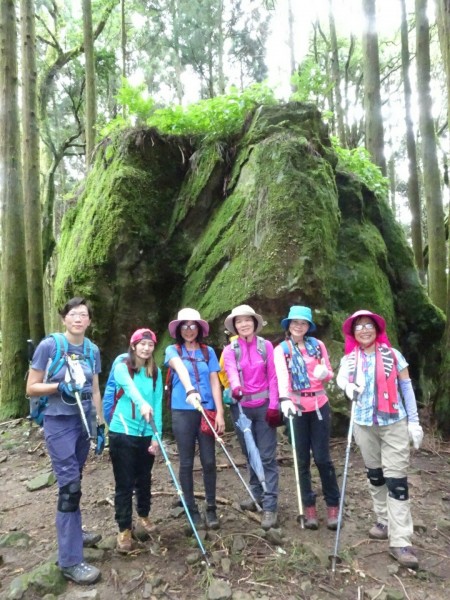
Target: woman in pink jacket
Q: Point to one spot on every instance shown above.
(302, 366)
(251, 372)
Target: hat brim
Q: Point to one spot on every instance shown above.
(229, 325)
(285, 324)
(200, 322)
(348, 323)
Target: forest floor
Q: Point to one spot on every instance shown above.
(246, 563)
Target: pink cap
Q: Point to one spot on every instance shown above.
(350, 342)
(142, 334)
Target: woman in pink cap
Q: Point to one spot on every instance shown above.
(376, 377)
(132, 445)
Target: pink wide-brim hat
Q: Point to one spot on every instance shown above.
(348, 323)
(188, 314)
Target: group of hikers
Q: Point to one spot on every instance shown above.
(268, 387)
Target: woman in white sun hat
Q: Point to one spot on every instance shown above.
(195, 378)
(251, 372)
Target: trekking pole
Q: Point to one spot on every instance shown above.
(301, 515)
(334, 557)
(178, 488)
(218, 439)
(78, 399)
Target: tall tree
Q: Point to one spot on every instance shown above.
(413, 179)
(31, 171)
(336, 72)
(437, 279)
(372, 95)
(89, 60)
(14, 305)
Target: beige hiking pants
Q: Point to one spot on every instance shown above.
(388, 447)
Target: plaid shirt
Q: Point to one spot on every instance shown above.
(364, 413)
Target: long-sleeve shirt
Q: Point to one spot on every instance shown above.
(309, 403)
(137, 390)
(258, 375)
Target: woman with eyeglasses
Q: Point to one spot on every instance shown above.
(375, 376)
(64, 367)
(194, 367)
(132, 444)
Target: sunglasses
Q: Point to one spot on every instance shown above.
(191, 327)
(368, 326)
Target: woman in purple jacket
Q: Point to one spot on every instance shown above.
(251, 372)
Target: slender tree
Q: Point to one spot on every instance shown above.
(437, 279)
(89, 59)
(413, 179)
(31, 174)
(372, 95)
(14, 305)
(336, 72)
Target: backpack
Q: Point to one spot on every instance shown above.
(38, 404)
(113, 393)
(169, 375)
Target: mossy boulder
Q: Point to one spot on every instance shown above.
(265, 219)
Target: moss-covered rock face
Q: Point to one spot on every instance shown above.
(266, 221)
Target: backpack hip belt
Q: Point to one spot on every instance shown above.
(257, 396)
(309, 394)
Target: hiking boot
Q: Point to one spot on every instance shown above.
(405, 556)
(124, 541)
(378, 532)
(332, 517)
(145, 525)
(82, 573)
(212, 522)
(90, 539)
(311, 521)
(249, 505)
(269, 519)
(196, 518)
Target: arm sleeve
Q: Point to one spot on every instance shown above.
(158, 402)
(271, 377)
(326, 361)
(124, 380)
(342, 376)
(409, 400)
(231, 367)
(282, 372)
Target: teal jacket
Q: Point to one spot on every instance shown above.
(136, 391)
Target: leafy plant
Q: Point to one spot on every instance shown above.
(358, 161)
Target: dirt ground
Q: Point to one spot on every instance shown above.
(289, 563)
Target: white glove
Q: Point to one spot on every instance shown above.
(415, 432)
(320, 372)
(288, 408)
(351, 389)
(194, 400)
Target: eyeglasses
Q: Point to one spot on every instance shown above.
(74, 315)
(362, 326)
(191, 327)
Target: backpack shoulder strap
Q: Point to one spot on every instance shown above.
(237, 355)
(61, 343)
(89, 352)
(315, 342)
(261, 347)
(205, 352)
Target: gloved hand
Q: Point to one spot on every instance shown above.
(68, 388)
(352, 391)
(415, 432)
(100, 445)
(237, 393)
(194, 399)
(287, 407)
(320, 372)
(273, 417)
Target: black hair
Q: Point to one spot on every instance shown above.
(73, 303)
(181, 340)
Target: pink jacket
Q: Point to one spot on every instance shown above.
(309, 403)
(257, 376)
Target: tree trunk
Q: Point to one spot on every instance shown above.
(89, 60)
(31, 172)
(437, 279)
(335, 70)
(372, 97)
(413, 180)
(174, 10)
(291, 37)
(14, 305)
(220, 50)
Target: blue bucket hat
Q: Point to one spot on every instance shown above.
(299, 312)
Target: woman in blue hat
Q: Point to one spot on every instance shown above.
(302, 366)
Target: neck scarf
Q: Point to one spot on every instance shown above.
(299, 373)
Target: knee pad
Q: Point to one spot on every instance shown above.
(375, 477)
(397, 488)
(69, 497)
